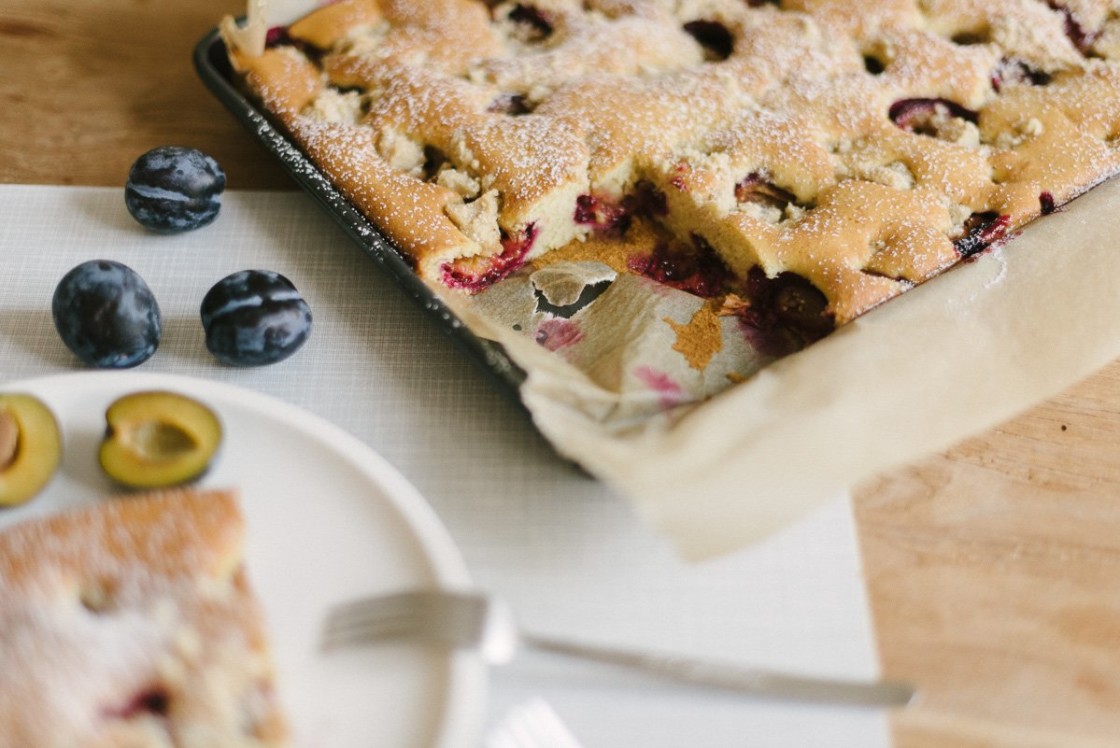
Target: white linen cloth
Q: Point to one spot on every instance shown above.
(568, 555)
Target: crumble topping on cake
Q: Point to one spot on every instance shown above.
(860, 149)
(132, 623)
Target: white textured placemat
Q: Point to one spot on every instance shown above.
(569, 555)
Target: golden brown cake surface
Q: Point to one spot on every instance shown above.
(861, 147)
(131, 623)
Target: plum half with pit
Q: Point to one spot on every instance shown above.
(107, 315)
(30, 447)
(254, 318)
(172, 189)
(158, 439)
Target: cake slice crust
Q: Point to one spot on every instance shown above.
(132, 623)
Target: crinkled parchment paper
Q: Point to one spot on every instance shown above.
(954, 356)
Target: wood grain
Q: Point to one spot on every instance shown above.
(87, 87)
(993, 572)
(993, 569)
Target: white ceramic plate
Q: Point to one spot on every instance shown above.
(328, 520)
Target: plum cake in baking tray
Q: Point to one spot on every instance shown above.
(793, 162)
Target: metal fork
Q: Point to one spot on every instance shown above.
(483, 623)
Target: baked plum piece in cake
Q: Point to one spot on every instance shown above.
(861, 149)
(132, 623)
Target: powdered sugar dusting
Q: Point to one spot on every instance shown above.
(545, 103)
(120, 608)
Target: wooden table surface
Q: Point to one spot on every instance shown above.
(993, 569)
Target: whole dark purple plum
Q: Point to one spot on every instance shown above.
(172, 189)
(254, 317)
(106, 314)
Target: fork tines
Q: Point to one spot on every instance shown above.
(453, 619)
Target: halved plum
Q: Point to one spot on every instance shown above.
(980, 231)
(30, 447)
(757, 188)
(1017, 71)
(1081, 37)
(156, 439)
(603, 213)
(783, 314)
(694, 267)
(929, 116)
(473, 274)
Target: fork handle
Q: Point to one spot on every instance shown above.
(733, 677)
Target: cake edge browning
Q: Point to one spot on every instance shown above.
(132, 622)
(865, 154)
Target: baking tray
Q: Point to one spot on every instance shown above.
(212, 63)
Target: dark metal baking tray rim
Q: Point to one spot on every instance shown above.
(212, 64)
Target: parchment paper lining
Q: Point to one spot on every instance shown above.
(957, 355)
(961, 353)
